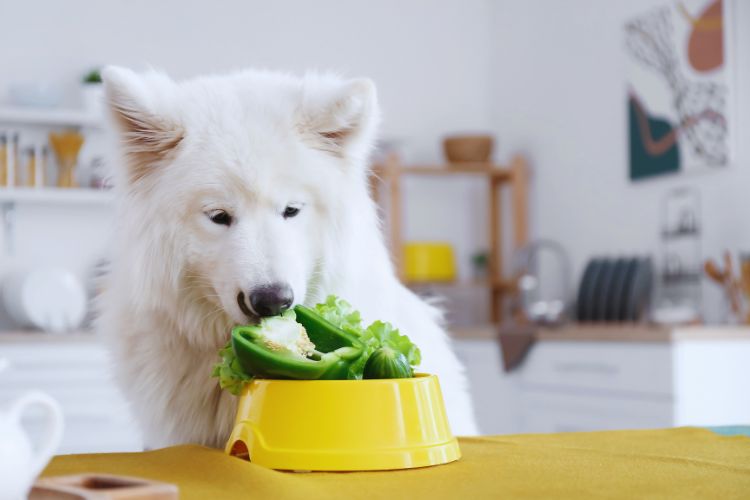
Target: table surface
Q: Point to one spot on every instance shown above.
(671, 463)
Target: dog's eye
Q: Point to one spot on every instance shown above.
(220, 217)
(290, 212)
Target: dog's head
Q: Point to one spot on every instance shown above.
(232, 183)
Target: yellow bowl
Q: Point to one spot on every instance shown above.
(425, 262)
(343, 425)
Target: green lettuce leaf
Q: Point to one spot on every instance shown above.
(383, 334)
(377, 335)
(342, 314)
(228, 371)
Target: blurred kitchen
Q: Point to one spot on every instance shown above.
(568, 179)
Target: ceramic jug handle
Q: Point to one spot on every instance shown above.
(53, 434)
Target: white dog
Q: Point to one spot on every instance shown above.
(239, 196)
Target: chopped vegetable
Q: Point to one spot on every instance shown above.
(228, 371)
(333, 350)
(340, 313)
(284, 334)
(387, 362)
(380, 334)
(325, 342)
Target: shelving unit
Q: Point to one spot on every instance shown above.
(10, 197)
(51, 195)
(50, 117)
(42, 120)
(513, 176)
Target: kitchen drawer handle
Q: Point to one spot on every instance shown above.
(587, 367)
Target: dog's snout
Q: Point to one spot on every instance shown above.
(269, 300)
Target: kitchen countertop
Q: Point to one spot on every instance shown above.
(607, 332)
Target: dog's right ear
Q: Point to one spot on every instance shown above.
(148, 136)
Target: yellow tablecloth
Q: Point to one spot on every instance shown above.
(676, 463)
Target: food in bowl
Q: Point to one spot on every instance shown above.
(326, 342)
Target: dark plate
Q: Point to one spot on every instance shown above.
(591, 290)
(623, 298)
(640, 290)
(614, 294)
(601, 292)
(591, 271)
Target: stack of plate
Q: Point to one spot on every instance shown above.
(615, 289)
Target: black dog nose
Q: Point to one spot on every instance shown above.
(270, 300)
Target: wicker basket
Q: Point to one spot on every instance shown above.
(468, 148)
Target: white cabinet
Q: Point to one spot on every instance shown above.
(494, 393)
(600, 378)
(691, 376)
(76, 371)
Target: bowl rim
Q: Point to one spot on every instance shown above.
(418, 377)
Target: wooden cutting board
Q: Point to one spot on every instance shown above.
(101, 487)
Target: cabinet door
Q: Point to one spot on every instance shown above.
(493, 392)
(78, 375)
(565, 412)
(634, 368)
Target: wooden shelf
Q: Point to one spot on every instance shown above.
(496, 284)
(486, 169)
(513, 178)
(59, 196)
(474, 332)
(31, 336)
(50, 117)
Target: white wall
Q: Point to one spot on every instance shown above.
(428, 58)
(559, 93)
(539, 73)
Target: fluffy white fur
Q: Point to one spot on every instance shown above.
(250, 143)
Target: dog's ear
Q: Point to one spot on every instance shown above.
(148, 135)
(339, 118)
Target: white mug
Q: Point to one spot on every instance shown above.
(20, 464)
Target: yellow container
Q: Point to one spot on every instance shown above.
(426, 262)
(343, 425)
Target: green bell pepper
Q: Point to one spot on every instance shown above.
(334, 354)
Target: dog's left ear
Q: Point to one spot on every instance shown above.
(339, 118)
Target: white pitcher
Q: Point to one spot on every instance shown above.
(19, 463)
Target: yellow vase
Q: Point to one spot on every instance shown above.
(66, 146)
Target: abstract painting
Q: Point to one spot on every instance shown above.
(678, 89)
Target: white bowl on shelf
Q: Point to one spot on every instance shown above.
(36, 94)
(49, 299)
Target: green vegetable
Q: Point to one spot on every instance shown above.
(229, 372)
(283, 334)
(325, 342)
(282, 348)
(378, 334)
(381, 334)
(387, 362)
(340, 313)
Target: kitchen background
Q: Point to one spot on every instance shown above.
(546, 79)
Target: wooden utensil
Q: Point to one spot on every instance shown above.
(725, 277)
(101, 487)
